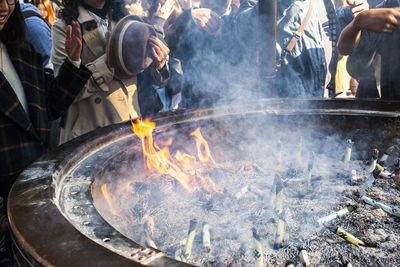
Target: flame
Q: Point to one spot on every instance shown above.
(182, 166)
(108, 198)
(186, 160)
(205, 155)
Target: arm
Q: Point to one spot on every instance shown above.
(101, 73)
(160, 70)
(349, 38)
(382, 20)
(162, 14)
(71, 79)
(345, 14)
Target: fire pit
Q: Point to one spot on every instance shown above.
(248, 186)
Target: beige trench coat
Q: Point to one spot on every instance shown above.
(104, 100)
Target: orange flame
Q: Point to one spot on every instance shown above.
(108, 198)
(183, 166)
(205, 155)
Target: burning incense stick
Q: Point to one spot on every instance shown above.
(189, 242)
(349, 237)
(258, 253)
(304, 257)
(373, 161)
(347, 156)
(335, 215)
(369, 182)
(388, 209)
(206, 237)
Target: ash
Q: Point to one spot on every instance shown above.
(247, 156)
(158, 198)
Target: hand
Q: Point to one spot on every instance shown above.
(159, 52)
(379, 20)
(73, 41)
(187, 4)
(357, 6)
(207, 20)
(165, 10)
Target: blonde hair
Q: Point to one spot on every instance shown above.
(51, 18)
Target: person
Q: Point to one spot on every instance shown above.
(373, 32)
(46, 11)
(38, 33)
(51, 14)
(170, 94)
(302, 72)
(106, 99)
(202, 39)
(29, 98)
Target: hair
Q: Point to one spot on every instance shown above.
(51, 17)
(70, 12)
(14, 30)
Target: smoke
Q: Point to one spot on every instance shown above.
(223, 69)
(246, 151)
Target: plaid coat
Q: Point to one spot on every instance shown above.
(24, 138)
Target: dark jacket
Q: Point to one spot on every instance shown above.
(208, 61)
(23, 138)
(361, 62)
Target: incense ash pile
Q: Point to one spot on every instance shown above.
(262, 211)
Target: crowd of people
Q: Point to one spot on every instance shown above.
(71, 66)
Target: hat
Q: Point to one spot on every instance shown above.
(128, 51)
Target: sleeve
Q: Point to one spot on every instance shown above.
(362, 57)
(58, 54)
(102, 75)
(62, 90)
(158, 24)
(160, 77)
(344, 17)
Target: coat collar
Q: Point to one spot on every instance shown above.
(84, 15)
(92, 35)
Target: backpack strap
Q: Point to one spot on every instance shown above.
(297, 35)
(31, 13)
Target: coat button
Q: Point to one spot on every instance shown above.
(97, 100)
